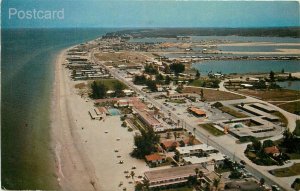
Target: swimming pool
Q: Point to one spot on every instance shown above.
(114, 111)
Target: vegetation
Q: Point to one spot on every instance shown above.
(235, 174)
(145, 143)
(150, 69)
(100, 87)
(256, 153)
(211, 129)
(296, 184)
(208, 83)
(98, 90)
(228, 110)
(291, 142)
(297, 129)
(177, 68)
(293, 170)
(292, 107)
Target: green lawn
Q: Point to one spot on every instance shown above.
(211, 129)
(292, 107)
(110, 83)
(232, 112)
(286, 172)
(297, 129)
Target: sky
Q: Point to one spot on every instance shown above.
(151, 13)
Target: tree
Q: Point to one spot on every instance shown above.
(139, 80)
(268, 143)
(151, 85)
(98, 90)
(168, 80)
(201, 94)
(177, 68)
(282, 70)
(145, 143)
(216, 182)
(159, 78)
(191, 181)
(132, 174)
(272, 76)
(175, 135)
(119, 87)
(150, 69)
(197, 74)
(196, 171)
(256, 144)
(262, 181)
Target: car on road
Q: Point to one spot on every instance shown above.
(243, 162)
(275, 187)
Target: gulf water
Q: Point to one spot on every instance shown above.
(27, 76)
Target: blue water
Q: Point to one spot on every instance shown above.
(27, 77)
(247, 66)
(291, 85)
(114, 111)
(227, 38)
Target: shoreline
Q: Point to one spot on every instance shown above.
(73, 170)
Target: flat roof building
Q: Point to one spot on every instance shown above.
(172, 176)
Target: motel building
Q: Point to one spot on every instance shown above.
(194, 150)
(172, 177)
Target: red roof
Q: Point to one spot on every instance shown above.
(271, 150)
(153, 157)
(197, 111)
(170, 143)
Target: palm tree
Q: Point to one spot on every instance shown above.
(132, 174)
(175, 135)
(216, 183)
(194, 129)
(196, 171)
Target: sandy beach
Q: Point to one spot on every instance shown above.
(85, 148)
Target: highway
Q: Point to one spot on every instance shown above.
(204, 137)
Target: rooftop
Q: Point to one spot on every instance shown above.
(173, 173)
(188, 149)
(154, 157)
(271, 150)
(199, 160)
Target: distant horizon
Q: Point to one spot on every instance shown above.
(148, 14)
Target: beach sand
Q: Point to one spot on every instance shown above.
(85, 153)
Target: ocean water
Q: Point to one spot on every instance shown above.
(27, 74)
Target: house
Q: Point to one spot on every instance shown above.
(155, 159)
(274, 151)
(164, 178)
(169, 145)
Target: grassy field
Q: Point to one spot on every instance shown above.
(109, 83)
(232, 112)
(292, 107)
(211, 129)
(297, 129)
(272, 95)
(286, 172)
(213, 95)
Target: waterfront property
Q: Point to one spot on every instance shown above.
(194, 150)
(172, 176)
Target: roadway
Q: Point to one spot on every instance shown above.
(232, 150)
